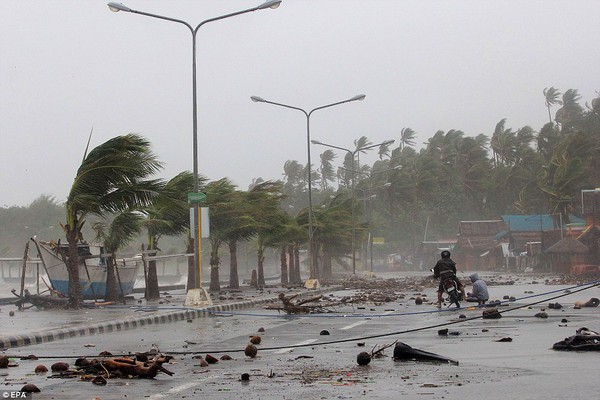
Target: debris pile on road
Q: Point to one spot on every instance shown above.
(311, 305)
(98, 370)
(583, 340)
(381, 291)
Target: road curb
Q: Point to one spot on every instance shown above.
(52, 335)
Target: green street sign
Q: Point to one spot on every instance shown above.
(196, 197)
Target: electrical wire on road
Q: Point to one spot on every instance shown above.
(565, 292)
(362, 315)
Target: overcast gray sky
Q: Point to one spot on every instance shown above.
(68, 66)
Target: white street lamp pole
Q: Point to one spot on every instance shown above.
(115, 7)
(352, 154)
(313, 272)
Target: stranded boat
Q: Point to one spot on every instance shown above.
(92, 269)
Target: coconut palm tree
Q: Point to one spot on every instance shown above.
(115, 235)
(113, 177)
(570, 113)
(552, 97)
(326, 169)
(168, 215)
(240, 227)
(407, 137)
(269, 218)
(220, 198)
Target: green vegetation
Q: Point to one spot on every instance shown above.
(453, 177)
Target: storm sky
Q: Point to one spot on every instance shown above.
(69, 66)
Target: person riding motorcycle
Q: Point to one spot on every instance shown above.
(446, 268)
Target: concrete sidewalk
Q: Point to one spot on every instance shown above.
(34, 326)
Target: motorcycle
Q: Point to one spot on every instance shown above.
(451, 290)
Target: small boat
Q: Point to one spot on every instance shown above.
(92, 269)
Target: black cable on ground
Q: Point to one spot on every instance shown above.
(294, 346)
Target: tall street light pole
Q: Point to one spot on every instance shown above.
(313, 282)
(352, 154)
(195, 198)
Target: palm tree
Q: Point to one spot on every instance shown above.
(327, 171)
(269, 218)
(551, 94)
(571, 112)
(113, 177)
(115, 236)
(241, 226)
(168, 215)
(407, 136)
(220, 197)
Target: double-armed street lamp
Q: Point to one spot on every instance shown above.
(353, 154)
(195, 197)
(313, 282)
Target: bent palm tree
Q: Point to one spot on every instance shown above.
(113, 177)
(116, 235)
(167, 215)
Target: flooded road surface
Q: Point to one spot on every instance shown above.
(295, 360)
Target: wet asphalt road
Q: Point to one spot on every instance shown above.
(524, 368)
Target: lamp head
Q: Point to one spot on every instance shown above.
(387, 142)
(257, 99)
(116, 7)
(273, 4)
(315, 142)
(359, 97)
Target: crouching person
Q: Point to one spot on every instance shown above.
(479, 294)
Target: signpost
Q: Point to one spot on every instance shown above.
(198, 297)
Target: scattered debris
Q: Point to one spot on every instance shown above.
(363, 358)
(245, 376)
(41, 369)
(491, 314)
(583, 340)
(255, 339)
(593, 302)
(302, 306)
(504, 340)
(41, 301)
(211, 359)
(377, 352)
(250, 350)
(30, 388)
(403, 352)
(324, 332)
(542, 315)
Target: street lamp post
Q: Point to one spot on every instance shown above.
(313, 282)
(352, 154)
(116, 7)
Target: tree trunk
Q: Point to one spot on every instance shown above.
(297, 264)
(284, 267)
(261, 268)
(234, 280)
(315, 257)
(153, 290)
(326, 272)
(112, 293)
(292, 263)
(215, 285)
(191, 280)
(73, 268)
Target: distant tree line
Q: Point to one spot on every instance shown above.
(453, 177)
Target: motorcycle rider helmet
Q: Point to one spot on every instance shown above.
(445, 254)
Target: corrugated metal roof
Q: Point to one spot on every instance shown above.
(534, 222)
